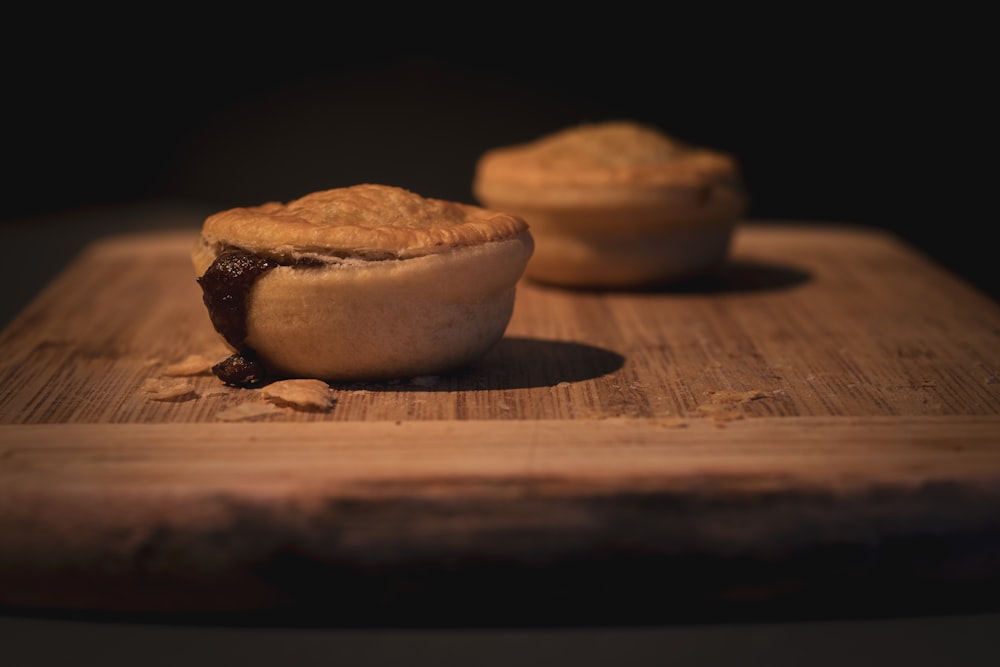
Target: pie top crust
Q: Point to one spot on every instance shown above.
(366, 221)
(609, 154)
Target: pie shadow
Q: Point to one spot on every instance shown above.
(736, 276)
(517, 363)
(740, 276)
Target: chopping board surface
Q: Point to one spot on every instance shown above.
(803, 423)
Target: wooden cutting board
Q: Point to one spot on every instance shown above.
(817, 428)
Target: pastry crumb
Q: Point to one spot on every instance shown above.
(193, 364)
(724, 405)
(739, 397)
(301, 394)
(247, 411)
(670, 423)
(158, 389)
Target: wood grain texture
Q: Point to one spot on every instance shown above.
(822, 419)
(806, 322)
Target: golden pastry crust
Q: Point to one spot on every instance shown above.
(618, 153)
(367, 221)
(393, 285)
(616, 204)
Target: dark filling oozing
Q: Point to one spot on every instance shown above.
(241, 370)
(225, 287)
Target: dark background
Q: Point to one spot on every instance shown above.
(871, 118)
(866, 117)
